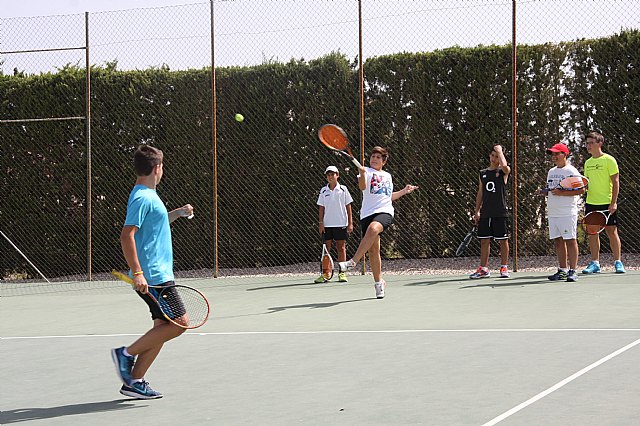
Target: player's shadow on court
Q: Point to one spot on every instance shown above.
(297, 284)
(28, 414)
(315, 305)
(520, 282)
(433, 282)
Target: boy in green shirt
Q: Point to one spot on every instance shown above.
(602, 194)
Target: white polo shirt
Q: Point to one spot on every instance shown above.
(334, 203)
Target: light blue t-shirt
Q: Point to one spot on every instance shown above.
(147, 212)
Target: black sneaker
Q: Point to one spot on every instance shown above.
(558, 276)
(572, 277)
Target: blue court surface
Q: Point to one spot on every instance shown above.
(437, 350)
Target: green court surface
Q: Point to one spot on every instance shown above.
(438, 350)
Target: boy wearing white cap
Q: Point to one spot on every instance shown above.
(334, 217)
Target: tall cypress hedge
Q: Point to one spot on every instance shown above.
(438, 112)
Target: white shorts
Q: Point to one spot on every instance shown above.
(564, 227)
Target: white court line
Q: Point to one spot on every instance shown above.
(251, 333)
(558, 385)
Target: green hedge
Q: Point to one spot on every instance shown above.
(438, 112)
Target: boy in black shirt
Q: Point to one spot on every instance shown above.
(491, 212)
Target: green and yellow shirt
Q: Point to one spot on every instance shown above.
(599, 171)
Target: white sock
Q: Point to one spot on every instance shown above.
(564, 269)
(596, 262)
(505, 266)
(351, 263)
(126, 353)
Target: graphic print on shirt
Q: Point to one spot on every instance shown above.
(379, 185)
(594, 167)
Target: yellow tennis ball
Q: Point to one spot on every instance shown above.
(239, 118)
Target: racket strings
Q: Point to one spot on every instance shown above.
(573, 183)
(594, 222)
(327, 267)
(333, 137)
(184, 305)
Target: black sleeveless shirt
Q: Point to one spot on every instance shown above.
(494, 193)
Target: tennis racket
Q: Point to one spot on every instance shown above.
(326, 263)
(466, 241)
(334, 138)
(594, 222)
(181, 305)
(570, 183)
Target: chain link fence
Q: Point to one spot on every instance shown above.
(437, 91)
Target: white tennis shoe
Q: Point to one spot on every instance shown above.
(379, 286)
(345, 266)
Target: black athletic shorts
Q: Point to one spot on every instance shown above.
(613, 219)
(493, 227)
(384, 219)
(335, 234)
(156, 313)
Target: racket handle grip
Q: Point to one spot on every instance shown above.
(356, 163)
(122, 277)
(190, 216)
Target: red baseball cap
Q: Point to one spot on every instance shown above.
(559, 147)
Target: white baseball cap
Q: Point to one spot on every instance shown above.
(331, 169)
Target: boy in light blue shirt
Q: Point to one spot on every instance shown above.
(148, 214)
(147, 248)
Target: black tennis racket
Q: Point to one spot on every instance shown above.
(326, 262)
(334, 138)
(466, 241)
(181, 305)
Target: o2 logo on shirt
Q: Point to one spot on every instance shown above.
(379, 185)
(490, 186)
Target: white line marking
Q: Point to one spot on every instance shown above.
(560, 384)
(243, 333)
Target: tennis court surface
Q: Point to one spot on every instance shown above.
(438, 350)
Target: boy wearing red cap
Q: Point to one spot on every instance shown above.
(562, 214)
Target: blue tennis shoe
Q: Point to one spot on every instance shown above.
(619, 267)
(140, 390)
(592, 268)
(124, 364)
